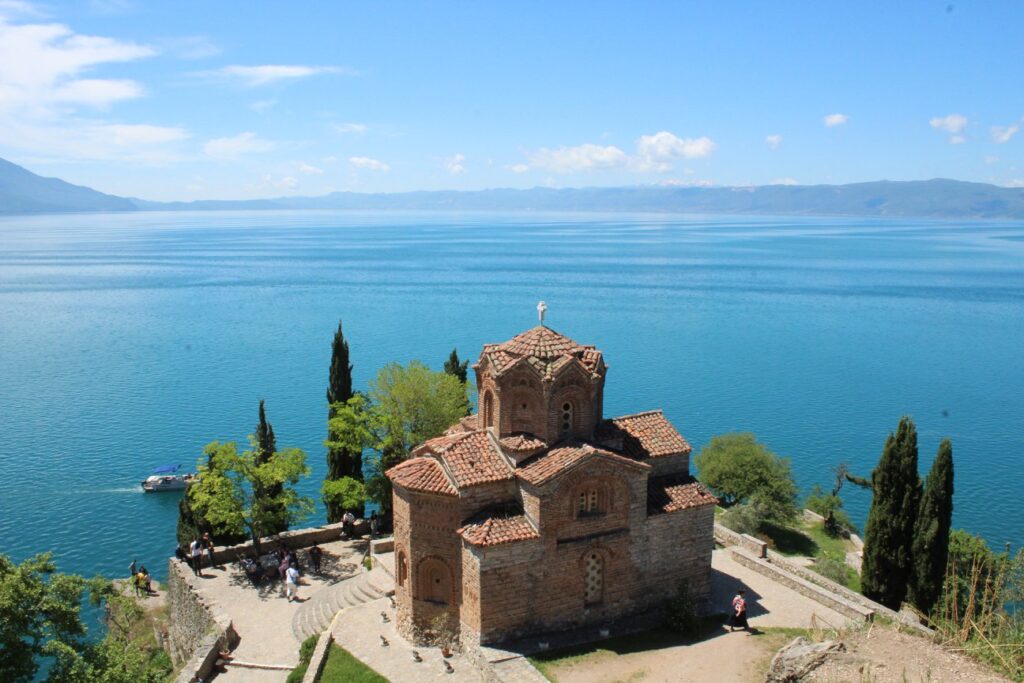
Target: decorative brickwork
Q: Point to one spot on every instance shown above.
(537, 514)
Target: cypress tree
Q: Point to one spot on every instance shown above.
(931, 533)
(888, 536)
(266, 446)
(453, 367)
(340, 462)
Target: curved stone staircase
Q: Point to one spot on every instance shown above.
(315, 614)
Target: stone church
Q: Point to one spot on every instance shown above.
(538, 513)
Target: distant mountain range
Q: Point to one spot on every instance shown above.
(23, 192)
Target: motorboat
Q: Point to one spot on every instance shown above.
(167, 478)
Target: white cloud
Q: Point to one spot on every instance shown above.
(833, 120)
(369, 164)
(262, 105)
(1015, 183)
(96, 93)
(957, 139)
(679, 182)
(784, 181)
(1002, 134)
(951, 123)
(17, 8)
(658, 151)
(519, 168)
(263, 74)
(191, 47)
(991, 159)
(585, 157)
(347, 128)
(225, 149)
(456, 164)
(773, 141)
(142, 134)
(309, 169)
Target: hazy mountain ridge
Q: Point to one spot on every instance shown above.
(23, 192)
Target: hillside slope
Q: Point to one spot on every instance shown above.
(22, 191)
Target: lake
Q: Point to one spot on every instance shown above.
(129, 341)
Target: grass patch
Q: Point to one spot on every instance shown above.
(809, 539)
(549, 663)
(342, 667)
(790, 541)
(305, 654)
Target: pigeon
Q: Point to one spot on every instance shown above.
(448, 667)
(384, 617)
(384, 642)
(416, 656)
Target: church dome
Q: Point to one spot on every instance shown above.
(543, 348)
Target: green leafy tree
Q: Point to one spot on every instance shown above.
(192, 524)
(351, 429)
(226, 492)
(347, 493)
(889, 534)
(410, 405)
(342, 461)
(930, 549)
(455, 368)
(266, 447)
(40, 619)
(740, 469)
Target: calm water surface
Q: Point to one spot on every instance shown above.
(129, 341)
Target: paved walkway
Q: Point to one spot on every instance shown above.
(359, 630)
(261, 615)
(768, 603)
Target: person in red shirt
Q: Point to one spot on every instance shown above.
(738, 616)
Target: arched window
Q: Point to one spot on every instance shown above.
(593, 578)
(403, 569)
(565, 425)
(587, 502)
(488, 409)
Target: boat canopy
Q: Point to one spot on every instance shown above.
(167, 469)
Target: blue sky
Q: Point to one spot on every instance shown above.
(192, 100)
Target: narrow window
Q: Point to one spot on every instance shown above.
(403, 569)
(593, 579)
(566, 422)
(488, 409)
(588, 503)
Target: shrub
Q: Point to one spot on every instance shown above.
(743, 519)
(681, 612)
(833, 569)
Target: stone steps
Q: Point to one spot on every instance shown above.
(315, 614)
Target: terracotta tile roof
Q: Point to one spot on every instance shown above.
(523, 442)
(544, 349)
(421, 474)
(669, 494)
(466, 424)
(470, 456)
(487, 531)
(555, 461)
(643, 435)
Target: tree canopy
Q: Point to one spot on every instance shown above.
(888, 535)
(455, 368)
(342, 460)
(231, 490)
(931, 533)
(740, 469)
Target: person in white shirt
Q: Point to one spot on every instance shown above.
(291, 583)
(196, 553)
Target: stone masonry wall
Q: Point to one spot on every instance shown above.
(197, 630)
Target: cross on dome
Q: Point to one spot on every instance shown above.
(542, 308)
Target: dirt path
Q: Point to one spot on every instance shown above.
(724, 658)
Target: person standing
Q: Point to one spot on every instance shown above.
(348, 524)
(208, 544)
(195, 551)
(374, 525)
(738, 618)
(292, 583)
(131, 568)
(315, 555)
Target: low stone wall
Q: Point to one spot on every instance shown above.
(728, 537)
(197, 630)
(847, 608)
(319, 658)
(297, 538)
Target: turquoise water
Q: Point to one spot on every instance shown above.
(129, 341)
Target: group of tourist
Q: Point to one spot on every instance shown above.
(140, 578)
(193, 555)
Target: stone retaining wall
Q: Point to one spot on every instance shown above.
(297, 538)
(319, 657)
(197, 630)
